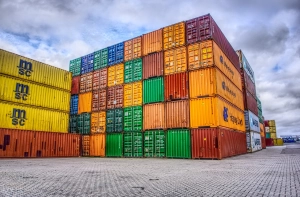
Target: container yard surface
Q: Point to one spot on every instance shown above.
(270, 172)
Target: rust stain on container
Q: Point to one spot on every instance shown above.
(177, 114)
(97, 145)
(100, 79)
(99, 100)
(115, 97)
(75, 85)
(176, 86)
(153, 42)
(85, 102)
(86, 82)
(175, 60)
(133, 48)
(154, 116)
(98, 122)
(153, 65)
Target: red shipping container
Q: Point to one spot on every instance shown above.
(100, 79)
(153, 65)
(205, 28)
(115, 97)
(263, 142)
(266, 123)
(250, 102)
(86, 82)
(248, 83)
(99, 100)
(75, 85)
(176, 86)
(269, 142)
(217, 143)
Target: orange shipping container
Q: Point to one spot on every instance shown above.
(133, 48)
(206, 54)
(133, 94)
(99, 100)
(97, 145)
(115, 75)
(174, 35)
(210, 82)
(262, 130)
(85, 102)
(100, 79)
(177, 114)
(153, 65)
(152, 42)
(85, 145)
(176, 86)
(154, 116)
(175, 60)
(115, 97)
(98, 122)
(86, 82)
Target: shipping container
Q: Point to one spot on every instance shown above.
(253, 141)
(267, 129)
(133, 48)
(85, 102)
(133, 70)
(97, 145)
(244, 65)
(73, 124)
(272, 129)
(114, 120)
(205, 28)
(266, 122)
(177, 114)
(260, 116)
(272, 123)
(115, 75)
(154, 143)
(273, 135)
(258, 103)
(28, 143)
(99, 100)
(133, 94)
(114, 145)
(268, 135)
(207, 54)
(98, 122)
(25, 68)
(217, 143)
(250, 102)
(133, 119)
(262, 130)
(100, 79)
(153, 90)
(210, 82)
(116, 54)
(248, 84)
(215, 112)
(86, 82)
(269, 142)
(263, 142)
(100, 58)
(178, 143)
(85, 145)
(175, 61)
(19, 116)
(174, 35)
(176, 86)
(154, 116)
(75, 67)
(251, 122)
(152, 42)
(87, 63)
(84, 123)
(278, 142)
(74, 105)
(75, 85)
(133, 144)
(115, 96)
(153, 65)
(17, 90)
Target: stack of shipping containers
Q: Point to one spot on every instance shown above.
(34, 103)
(271, 135)
(261, 124)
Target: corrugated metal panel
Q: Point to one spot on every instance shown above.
(75, 67)
(98, 122)
(99, 100)
(153, 90)
(115, 96)
(154, 116)
(273, 135)
(20, 91)
(114, 120)
(153, 42)
(84, 123)
(175, 60)
(18, 116)
(74, 104)
(177, 114)
(86, 82)
(174, 35)
(85, 102)
(100, 58)
(154, 143)
(269, 142)
(133, 144)
(97, 145)
(133, 94)
(114, 145)
(133, 119)
(178, 143)
(116, 54)
(244, 64)
(215, 112)
(75, 85)
(87, 63)
(272, 123)
(115, 75)
(272, 129)
(85, 145)
(153, 65)
(268, 135)
(250, 102)
(25, 68)
(253, 141)
(73, 124)
(258, 103)
(24, 143)
(263, 142)
(262, 130)
(251, 121)
(133, 48)
(247, 83)
(133, 70)
(100, 79)
(176, 86)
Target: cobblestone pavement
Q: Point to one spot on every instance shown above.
(264, 173)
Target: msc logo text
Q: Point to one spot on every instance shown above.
(25, 68)
(18, 117)
(21, 91)
(233, 119)
(225, 64)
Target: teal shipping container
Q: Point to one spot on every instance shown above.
(75, 67)
(268, 135)
(133, 119)
(133, 144)
(73, 124)
(84, 123)
(133, 70)
(154, 143)
(114, 145)
(114, 120)
(100, 58)
(178, 143)
(153, 90)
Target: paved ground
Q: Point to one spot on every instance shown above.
(265, 173)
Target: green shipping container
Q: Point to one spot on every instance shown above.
(133, 119)
(260, 116)
(100, 58)
(268, 135)
(73, 124)
(153, 90)
(114, 120)
(133, 144)
(114, 145)
(84, 123)
(178, 143)
(154, 143)
(133, 70)
(75, 67)
(258, 103)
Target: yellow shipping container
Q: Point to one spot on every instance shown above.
(273, 135)
(85, 102)
(97, 145)
(278, 142)
(208, 53)
(272, 123)
(214, 112)
(175, 60)
(18, 116)
(98, 122)
(115, 75)
(210, 82)
(174, 35)
(272, 129)
(133, 94)
(25, 68)
(21, 91)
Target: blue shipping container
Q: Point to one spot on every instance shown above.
(87, 63)
(116, 54)
(74, 104)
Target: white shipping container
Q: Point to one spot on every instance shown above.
(251, 121)
(253, 141)
(267, 129)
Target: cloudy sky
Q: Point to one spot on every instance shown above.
(268, 31)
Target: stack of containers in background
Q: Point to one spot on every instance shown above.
(261, 124)
(35, 106)
(250, 104)
(271, 135)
